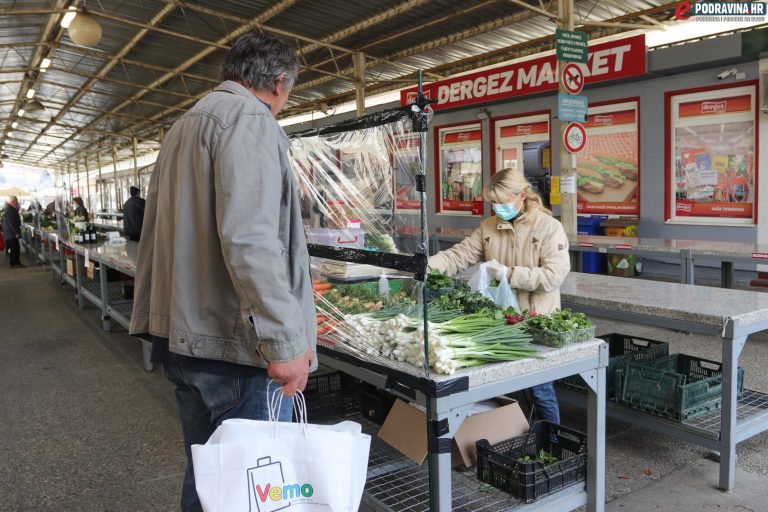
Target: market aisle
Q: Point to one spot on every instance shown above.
(82, 427)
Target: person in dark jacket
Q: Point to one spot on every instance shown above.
(133, 215)
(12, 230)
(80, 210)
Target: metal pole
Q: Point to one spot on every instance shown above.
(100, 183)
(88, 183)
(568, 215)
(359, 61)
(114, 179)
(135, 162)
(69, 182)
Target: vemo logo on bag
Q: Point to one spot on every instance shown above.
(267, 489)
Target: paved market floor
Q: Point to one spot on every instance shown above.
(83, 428)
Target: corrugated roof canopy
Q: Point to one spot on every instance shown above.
(157, 57)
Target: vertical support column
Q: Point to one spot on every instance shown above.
(100, 183)
(118, 195)
(359, 60)
(77, 174)
(732, 346)
(596, 438)
(135, 162)
(69, 182)
(78, 279)
(104, 290)
(567, 160)
(88, 185)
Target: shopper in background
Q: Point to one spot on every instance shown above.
(532, 245)
(133, 215)
(12, 230)
(80, 210)
(223, 283)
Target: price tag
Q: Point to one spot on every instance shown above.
(87, 259)
(568, 184)
(602, 249)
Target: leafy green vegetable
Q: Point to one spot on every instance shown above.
(437, 280)
(558, 328)
(353, 299)
(382, 242)
(467, 301)
(543, 456)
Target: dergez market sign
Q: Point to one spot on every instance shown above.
(613, 60)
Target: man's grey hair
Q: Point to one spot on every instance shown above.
(259, 61)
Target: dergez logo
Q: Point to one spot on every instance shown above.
(685, 10)
(267, 490)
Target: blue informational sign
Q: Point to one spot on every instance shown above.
(572, 107)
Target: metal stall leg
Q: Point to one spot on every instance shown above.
(596, 435)
(104, 291)
(687, 267)
(726, 274)
(146, 349)
(731, 349)
(439, 438)
(79, 282)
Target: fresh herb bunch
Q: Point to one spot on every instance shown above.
(558, 328)
(543, 456)
(437, 280)
(467, 301)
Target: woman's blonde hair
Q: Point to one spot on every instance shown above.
(509, 181)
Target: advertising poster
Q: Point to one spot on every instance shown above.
(460, 170)
(713, 157)
(513, 137)
(406, 164)
(608, 168)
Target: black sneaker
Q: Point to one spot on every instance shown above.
(19, 265)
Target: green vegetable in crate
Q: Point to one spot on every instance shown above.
(437, 280)
(543, 456)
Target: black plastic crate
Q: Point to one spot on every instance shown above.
(500, 466)
(679, 387)
(376, 403)
(622, 349)
(331, 394)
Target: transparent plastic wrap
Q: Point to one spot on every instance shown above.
(362, 196)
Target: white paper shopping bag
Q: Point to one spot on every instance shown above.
(264, 466)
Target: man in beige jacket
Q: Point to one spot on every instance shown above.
(223, 282)
(532, 249)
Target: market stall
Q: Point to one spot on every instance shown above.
(730, 315)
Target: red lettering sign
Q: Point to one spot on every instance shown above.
(611, 119)
(760, 256)
(451, 138)
(623, 246)
(586, 244)
(521, 130)
(723, 106)
(612, 60)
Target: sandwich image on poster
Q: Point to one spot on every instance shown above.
(600, 182)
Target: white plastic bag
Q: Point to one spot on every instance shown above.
(263, 466)
(503, 296)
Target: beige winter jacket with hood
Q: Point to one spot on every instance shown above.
(534, 246)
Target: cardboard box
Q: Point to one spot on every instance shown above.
(70, 268)
(91, 270)
(405, 429)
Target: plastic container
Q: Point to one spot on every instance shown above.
(349, 237)
(622, 349)
(679, 386)
(500, 465)
(562, 338)
(592, 262)
(331, 395)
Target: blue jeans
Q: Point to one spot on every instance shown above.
(545, 402)
(205, 400)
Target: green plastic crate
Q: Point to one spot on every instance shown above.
(679, 387)
(622, 349)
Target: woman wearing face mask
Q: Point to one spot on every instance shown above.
(533, 248)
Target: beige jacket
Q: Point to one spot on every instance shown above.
(534, 246)
(223, 268)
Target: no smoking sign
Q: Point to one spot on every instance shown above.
(573, 78)
(575, 137)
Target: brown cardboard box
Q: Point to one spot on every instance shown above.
(70, 268)
(91, 267)
(405, 429)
